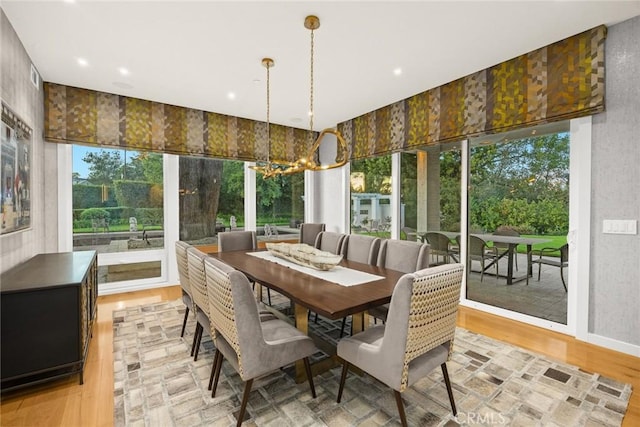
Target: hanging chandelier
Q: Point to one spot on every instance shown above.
(270, 169)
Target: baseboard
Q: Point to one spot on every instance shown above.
(120, 287)
(613, 344)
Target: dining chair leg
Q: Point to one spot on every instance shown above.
(403, 417)
(195, 339)
(197, 350)
(562, 277)
(245, 397)
(216, 378)
(447, 381)
(307, 367)
(343, 377)
(269, 295)
(213, 368)
(184, 322)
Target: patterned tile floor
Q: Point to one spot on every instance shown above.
(158, 383)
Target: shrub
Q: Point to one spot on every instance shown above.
(94, 213)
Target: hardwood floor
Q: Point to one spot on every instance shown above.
(65, 403)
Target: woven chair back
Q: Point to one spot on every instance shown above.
(183, 268)
(432, 317)
(197, 280)
(222, 313)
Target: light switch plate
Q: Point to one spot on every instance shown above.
(620, 226)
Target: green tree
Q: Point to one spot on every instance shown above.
(200, 179)
(104, 166)
(232, 189)
(513, 183)
(377, 173)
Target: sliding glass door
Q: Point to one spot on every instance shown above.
(519, 220)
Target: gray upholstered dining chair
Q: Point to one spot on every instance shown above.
(417, 337)
(309, 231)
(360, 248)
(329, 241)
(363, 249)
(239, 241)
(400, 255)
(200, 295)
(183, 272)
(195, 258)
(253, 348)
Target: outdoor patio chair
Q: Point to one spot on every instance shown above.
(400, 255)
(417, 337)
(410, 233)
(544, 257)
(439, 246)
(374, 226)
(481, 252)
(253, 348)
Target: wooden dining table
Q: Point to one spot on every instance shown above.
(307, 292)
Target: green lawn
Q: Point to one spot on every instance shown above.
(121, 227)
(555, 242)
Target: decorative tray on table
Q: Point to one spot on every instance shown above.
(304, 255)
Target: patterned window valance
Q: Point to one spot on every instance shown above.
(557, 82)
(74, 115)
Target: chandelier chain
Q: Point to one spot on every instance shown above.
(268, 66)
(311, 88)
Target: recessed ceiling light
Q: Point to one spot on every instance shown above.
(123, 71)
(69, 1)
(82, 62)
(256, 81)
(397, 71)
(231, 95)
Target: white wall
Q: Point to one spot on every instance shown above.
(332, 191)
(614, 302)
(27, 102)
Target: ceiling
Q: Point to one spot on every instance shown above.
(193, 54)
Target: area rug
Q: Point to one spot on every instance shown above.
(157, 383)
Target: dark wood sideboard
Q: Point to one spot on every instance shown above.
(48, 309)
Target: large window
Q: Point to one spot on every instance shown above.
(279, 206)
(118, 207)
(430, 199)
(371, 196)
(519, 188)
(211, 195)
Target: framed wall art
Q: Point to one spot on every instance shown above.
(15, 172)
